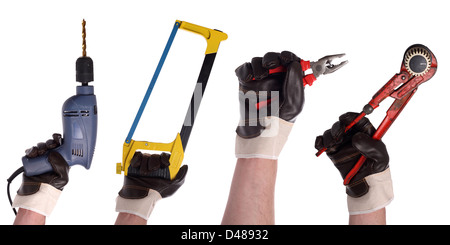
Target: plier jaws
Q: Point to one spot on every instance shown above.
(324, 65)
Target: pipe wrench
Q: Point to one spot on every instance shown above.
(418, 66)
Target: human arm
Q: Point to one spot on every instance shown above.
(377, 217)
(129, 219)
(251, 197)
(261, 134)
(28, 217)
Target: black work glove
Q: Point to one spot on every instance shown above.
(345, 149)
(256, 85)
(40, 193)
(58, 178)
(151, 171)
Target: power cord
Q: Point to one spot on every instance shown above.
(10, 179)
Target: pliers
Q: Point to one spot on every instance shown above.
(321, 67)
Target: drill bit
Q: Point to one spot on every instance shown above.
(84, 64)
(83, 34)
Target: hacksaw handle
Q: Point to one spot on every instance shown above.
(213, 37)
(175, 148)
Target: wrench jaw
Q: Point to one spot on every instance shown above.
(419, 65)
(418, 60)
(402, 83)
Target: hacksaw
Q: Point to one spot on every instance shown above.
(178, 146)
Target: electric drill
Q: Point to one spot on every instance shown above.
(79, 116)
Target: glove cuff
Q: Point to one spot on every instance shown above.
(269, 144)
(42, 201)
(380, 194)
(142, 207)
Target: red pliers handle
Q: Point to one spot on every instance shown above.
(307, 80)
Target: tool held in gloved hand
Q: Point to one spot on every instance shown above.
(79, 116)
(178, 146)
(323, 66)
(418, 66)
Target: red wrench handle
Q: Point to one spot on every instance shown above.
(355, 121)
(382, 94)
(392, 114)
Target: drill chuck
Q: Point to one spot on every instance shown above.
(85, 70)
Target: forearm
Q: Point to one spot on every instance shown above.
(251, 197)
(374, 218)
(129, 219)
(28, 217)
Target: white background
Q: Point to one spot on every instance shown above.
(41, 40)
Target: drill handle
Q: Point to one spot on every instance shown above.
(37, 165)
(40, 165)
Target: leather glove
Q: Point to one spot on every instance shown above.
(269, 104)
(40, 193)
(371, 188)
(148, 181)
